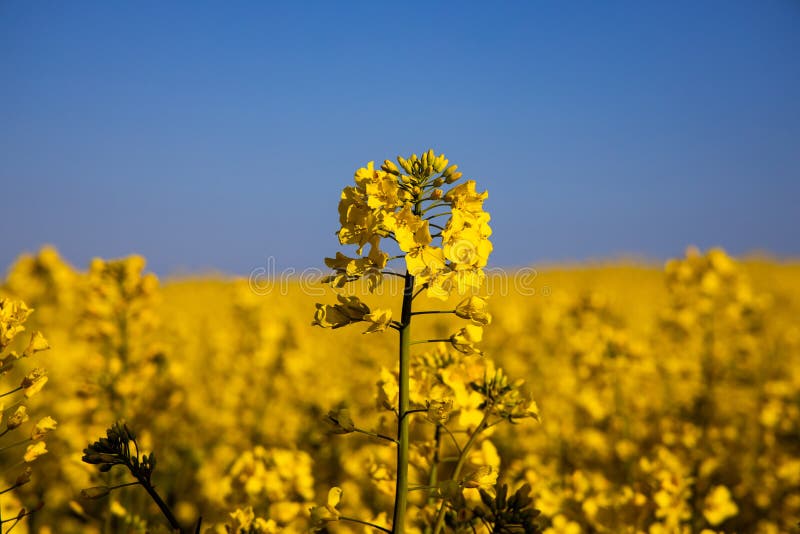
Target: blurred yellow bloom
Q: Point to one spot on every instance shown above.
(719, 505)
(484, 477)
(20, 416)
(37, 343)
(34, 451)
(322, 515)
(45, 425)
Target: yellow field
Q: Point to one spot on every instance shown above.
(669, 399)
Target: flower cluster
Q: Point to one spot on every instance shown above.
(19, 386)
(669, 401)
(402, 205)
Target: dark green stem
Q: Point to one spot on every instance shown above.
(462, 458)
(367, 523)
(161, 504)
(401, 488)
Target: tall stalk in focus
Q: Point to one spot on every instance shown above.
(443, 239)
(401, 488)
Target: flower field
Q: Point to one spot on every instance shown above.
(666, 400)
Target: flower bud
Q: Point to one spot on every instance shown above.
(436, 194)
(340, 421)
(24, 477)
(453, 177)
(404, 163)
(390, 167)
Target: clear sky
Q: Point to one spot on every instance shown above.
(212, 135)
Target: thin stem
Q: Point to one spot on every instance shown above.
(416, 410)
(7, 393)
(367, 523)
(161, 504)
(21, 442)
(16, 519)
(462, 458)
(418, 488)
(432, 206)
(433, 476)
(455, 441)
(432, 311)
(447, 340)
(429, 217)
(13, 487)
(375, 435)
(124, 485)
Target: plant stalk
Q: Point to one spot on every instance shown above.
(401, 489)
(173, 522)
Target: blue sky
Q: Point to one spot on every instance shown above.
(212, 135)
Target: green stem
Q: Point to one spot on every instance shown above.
(462, 458)
(433, 476)
(367, 523)
(374, 435)
(7, 393)
(161, 504)
(446, 340)
(15, 444)
(401, 489)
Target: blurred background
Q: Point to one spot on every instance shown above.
(209, 138)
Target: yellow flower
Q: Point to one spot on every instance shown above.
(349, 310)
(34, 451)
(45, 425)
(322, 515)
(349, 269)
(465, 197)
(34, 382)
(425, 262)
(475, 309)
(409, 229)
(13, 313)
(37, 343)
(719, 505)
(19, 417)
(439, 411)
(379, 320)
(484, 477)
(340, 421)
(464, 340)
